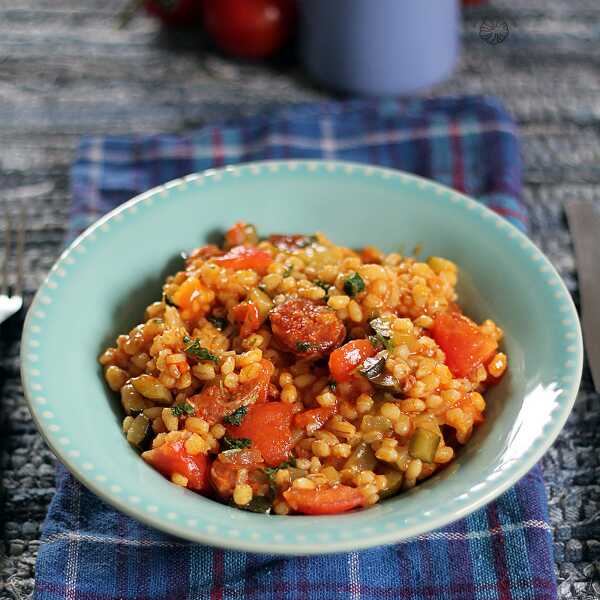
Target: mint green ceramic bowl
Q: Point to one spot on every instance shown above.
(102, 282)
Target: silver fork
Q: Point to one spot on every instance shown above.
(11, 297)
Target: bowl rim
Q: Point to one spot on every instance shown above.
(509, 476)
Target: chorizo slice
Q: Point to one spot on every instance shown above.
(305, 328)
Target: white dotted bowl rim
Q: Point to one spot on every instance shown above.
(197, 529)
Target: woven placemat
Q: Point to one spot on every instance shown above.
(66, 71)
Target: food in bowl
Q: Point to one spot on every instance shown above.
(295, 376)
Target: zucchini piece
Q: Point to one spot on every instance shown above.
(132, 401)
(151, 388)
(424, 444)
(140, 432)
(394, 483)
(374, 366)
(362, 459)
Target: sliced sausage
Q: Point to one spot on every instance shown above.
(306, 328)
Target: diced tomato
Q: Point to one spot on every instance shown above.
(345, 360)
(214, 401)
(463, 343)
(256, 390)
(268, 425)
(211, 403)
(224, 476)
(324, 500)
(187, 292)
(242, 458)
(241, 233)
(313, 419)
(172, 457)
(248, 315)
(245, 257)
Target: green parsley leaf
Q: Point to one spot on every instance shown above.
(291, 462)
(305, 346)
(380, 342)
(185, 408)
(237, 416)
(323, 286)
(219, 322)
(194, 348)
(354, 285)
(288, 271)
(229, 443)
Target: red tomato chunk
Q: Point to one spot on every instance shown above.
(172, 457)
(268, 426)
(245, 257)
(324, 500)
(345, 360)
(465, 347)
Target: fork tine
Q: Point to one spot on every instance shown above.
(20, 249)
(7, 246)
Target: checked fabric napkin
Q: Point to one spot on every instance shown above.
(503, 551)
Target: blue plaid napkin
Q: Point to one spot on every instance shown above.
(501, 552)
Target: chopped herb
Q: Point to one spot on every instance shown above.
(237, 416)
(219, 322)
(229, 443)
(169, 301)
(305, 346)
(332, 385)
(383, 332)
(291, 462)
(354, 285)
(380, 342)
(323, 286)
(185, 408)
(288, 271)
(194, 348)
(262, 287)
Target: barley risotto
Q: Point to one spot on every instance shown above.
(291, 375)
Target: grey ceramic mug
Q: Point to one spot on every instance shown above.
(379, 47)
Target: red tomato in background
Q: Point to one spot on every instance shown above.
(176, 12)
(249, 28)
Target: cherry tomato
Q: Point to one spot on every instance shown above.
(463, 343)
(172, 457)
(345, 360)
(324, 500)
(245, 257)
(249, 28)
(268, 425)
(248, 315)
(176, 12)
